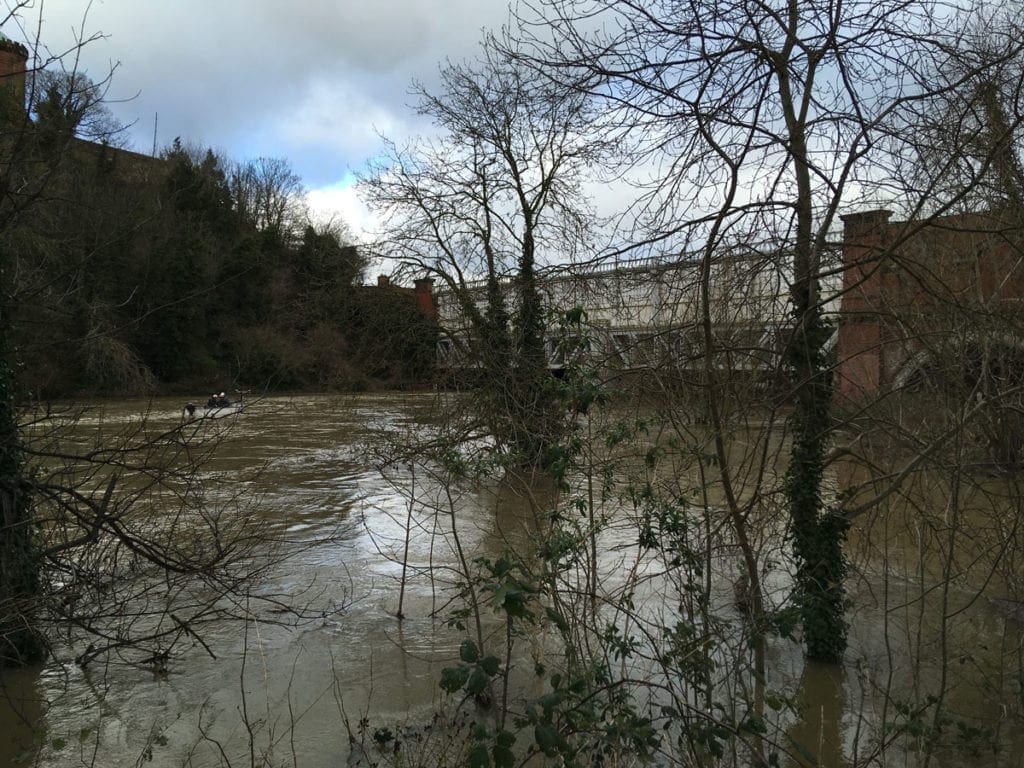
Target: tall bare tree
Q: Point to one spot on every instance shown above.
(762, 121)
(481, 208)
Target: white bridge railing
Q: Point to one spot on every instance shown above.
(648, 313)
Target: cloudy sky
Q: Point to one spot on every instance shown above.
(313, 81)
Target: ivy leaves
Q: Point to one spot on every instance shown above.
(473, 674)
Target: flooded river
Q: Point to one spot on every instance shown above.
(289, 689)
(300, 464)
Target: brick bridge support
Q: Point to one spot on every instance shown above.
(915, 288)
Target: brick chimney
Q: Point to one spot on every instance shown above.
(864, 238)
(425, 297)
(383, 281)
(864, 223)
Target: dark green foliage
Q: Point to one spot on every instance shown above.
(135, 272)
(387, 336)
(526, 406)
(534, 408)
(326, 268)
(581, 717)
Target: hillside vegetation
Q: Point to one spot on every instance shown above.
(131, 274)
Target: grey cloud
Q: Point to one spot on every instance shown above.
(242, 75)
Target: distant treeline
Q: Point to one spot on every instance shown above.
(130, 274)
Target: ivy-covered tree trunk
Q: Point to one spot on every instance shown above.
(20, 643)
(818, 534)
(536, 407)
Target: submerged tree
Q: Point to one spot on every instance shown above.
(481, 209)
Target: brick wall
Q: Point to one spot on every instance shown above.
(907, 285)
(13, 58)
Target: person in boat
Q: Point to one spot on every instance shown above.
(189, 411)
(212, 401)
(222, 400)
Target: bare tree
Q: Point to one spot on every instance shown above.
(481, 209)
(268, 194)
(764, 120)
(71, 104)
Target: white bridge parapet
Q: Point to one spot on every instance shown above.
(640, 314)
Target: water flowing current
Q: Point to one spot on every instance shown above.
(290, 689)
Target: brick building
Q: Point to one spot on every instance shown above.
(13, 60)
(14, 109)
(926, 295)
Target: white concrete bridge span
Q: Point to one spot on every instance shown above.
(644, 314)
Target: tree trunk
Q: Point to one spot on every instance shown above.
(818, 534)
(20, 643)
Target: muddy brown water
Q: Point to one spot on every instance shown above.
(302, 463)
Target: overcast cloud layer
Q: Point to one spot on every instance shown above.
(312, 81)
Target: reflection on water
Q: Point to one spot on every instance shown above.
(345, 527)
(815, 737)
(23, 707)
